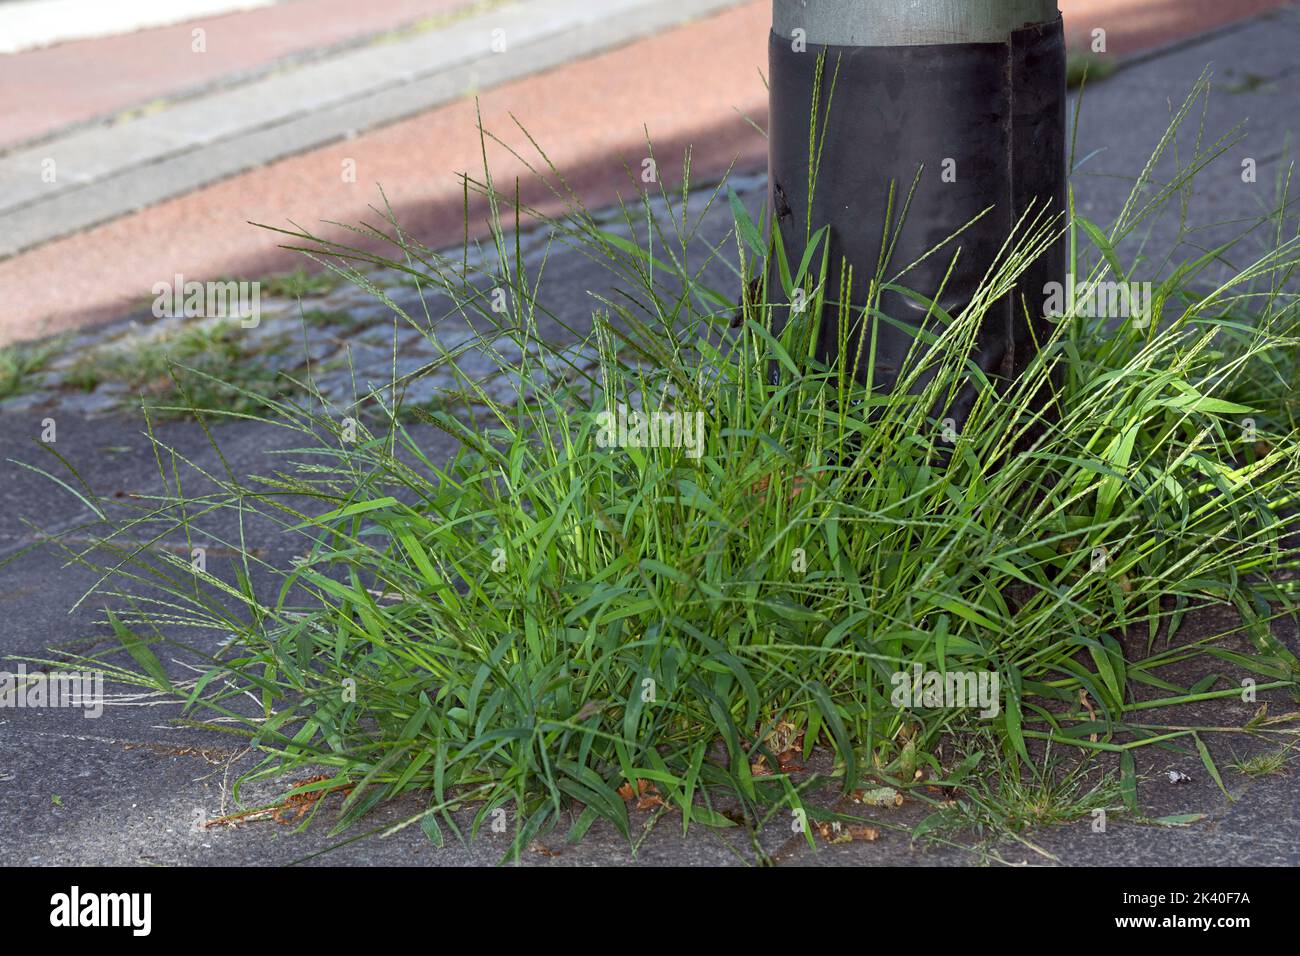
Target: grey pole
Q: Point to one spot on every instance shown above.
(908, 22)
(970, 92)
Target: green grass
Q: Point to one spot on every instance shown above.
(1006, 801)
(1265, 764)
(1081, 68)
(1249, 83)
(298, 283)
(540, 619)
(20, 363)
(334, 318)
(195, 366)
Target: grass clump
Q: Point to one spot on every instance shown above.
(20, 363)
(546, 618)
(1011, 801)
(1082, 68)
(1265, 764)
(195, 366)
(299, 284)
(334, 318)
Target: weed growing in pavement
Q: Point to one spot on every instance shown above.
(544, 621)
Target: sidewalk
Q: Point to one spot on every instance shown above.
(171, 189)
(129, 783)
(51, 89)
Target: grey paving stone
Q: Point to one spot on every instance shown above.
(98, 402)
(36, 397)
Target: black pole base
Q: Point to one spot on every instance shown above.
(987, 123)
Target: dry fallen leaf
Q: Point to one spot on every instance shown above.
(790, 760)
(835, 833)
(291, 809)
(646, 795)
(797, 486)
(783, 736)
(649, 800)
(786, 741)
(1087, 705)
(300, 804)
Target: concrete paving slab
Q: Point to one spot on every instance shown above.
(48, 91)
(105, 172)
(33, 23)
(1255, 80)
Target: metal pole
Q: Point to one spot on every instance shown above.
(908, 22)
(972, 92)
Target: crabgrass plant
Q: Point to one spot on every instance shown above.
(549, 616)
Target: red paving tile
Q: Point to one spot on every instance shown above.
(688, 86)
(1134, 25)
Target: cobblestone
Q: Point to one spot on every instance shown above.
(345, 335)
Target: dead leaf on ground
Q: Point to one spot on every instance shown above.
(300, 804)
(1092, 714)
(835, 833)
(790, 760)
(646, 795)
(292, 809)
(649, 800)
(797, 486)
(786, 741)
